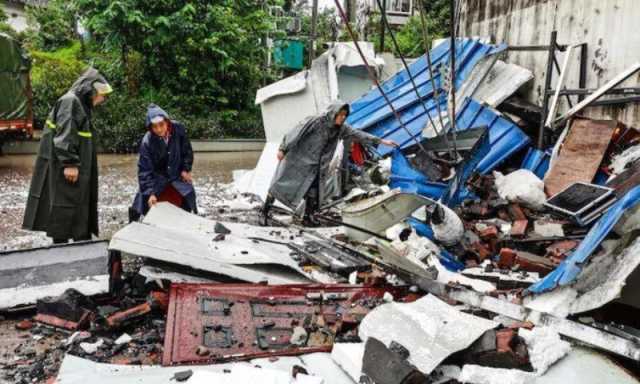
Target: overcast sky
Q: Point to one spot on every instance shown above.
(325, 3)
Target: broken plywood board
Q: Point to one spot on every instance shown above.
(429, 328)
(244, 321)
(582, 151)
(31, 274)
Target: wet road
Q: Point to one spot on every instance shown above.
(118, 186)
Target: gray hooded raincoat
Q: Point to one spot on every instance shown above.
(308, 150)
(62, 209)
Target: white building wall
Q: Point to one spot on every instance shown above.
(17, 17)
(611, 28)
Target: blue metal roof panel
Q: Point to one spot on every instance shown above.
(505, 138)
(371, 113)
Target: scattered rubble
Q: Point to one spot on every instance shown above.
(494, 260)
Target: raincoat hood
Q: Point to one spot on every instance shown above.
(152, 112)
(334, 108)
(83, 87)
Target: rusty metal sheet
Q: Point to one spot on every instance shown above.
(581, 154)
(245, 321)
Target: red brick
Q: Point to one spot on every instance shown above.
(490, 232)
(507, 258)
(480, 250)
(24, 325)
(519, 228)
(534, 263)
(504, 339)
(563, 246)
(516, 212)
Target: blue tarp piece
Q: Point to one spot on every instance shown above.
(422, 229)
(449, 261)
(537, 161)
(409, 180)
(371, 113)
(570, 268)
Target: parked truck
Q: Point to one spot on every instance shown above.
(16, 100)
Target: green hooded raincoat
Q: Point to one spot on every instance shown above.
(62, 209)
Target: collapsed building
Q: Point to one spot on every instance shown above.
(498, 244)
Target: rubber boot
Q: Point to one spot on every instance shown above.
(264, 212)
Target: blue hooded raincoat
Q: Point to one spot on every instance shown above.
(161, 164)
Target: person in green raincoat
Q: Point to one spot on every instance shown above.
(63, 197)
(303, 175)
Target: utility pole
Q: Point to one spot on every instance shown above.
(314, 26)
(383, 13)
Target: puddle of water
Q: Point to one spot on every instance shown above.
(118, 185)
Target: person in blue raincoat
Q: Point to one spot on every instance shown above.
(164, 165)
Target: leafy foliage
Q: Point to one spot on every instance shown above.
(52, 73)
(52, 26)
(206, 53)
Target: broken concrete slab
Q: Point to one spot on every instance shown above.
(32, 274)
(246, 374)
(568, 328)
(545, 347)
(76, 370)
(476, 374)
(429, 328)
(349, 357)
(601, 281)
(586, 366)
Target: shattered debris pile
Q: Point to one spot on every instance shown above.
(498, 245)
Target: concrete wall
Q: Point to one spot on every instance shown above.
(15, 12)
(611, 28)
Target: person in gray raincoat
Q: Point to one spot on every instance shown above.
(63, 197)
(305, 154)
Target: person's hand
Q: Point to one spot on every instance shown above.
(71, 174)
(186, 176)
(152, 200)
(280, 155)
(389, 143)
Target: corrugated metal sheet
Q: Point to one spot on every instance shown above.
(504, 140)
(608, 27)
(372, 114)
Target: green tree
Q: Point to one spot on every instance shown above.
(52, 26)
(207, 54)
(410, 36)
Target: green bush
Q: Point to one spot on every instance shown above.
(119, 123)
(52, 74)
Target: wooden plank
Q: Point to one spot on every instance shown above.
(580, 155)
